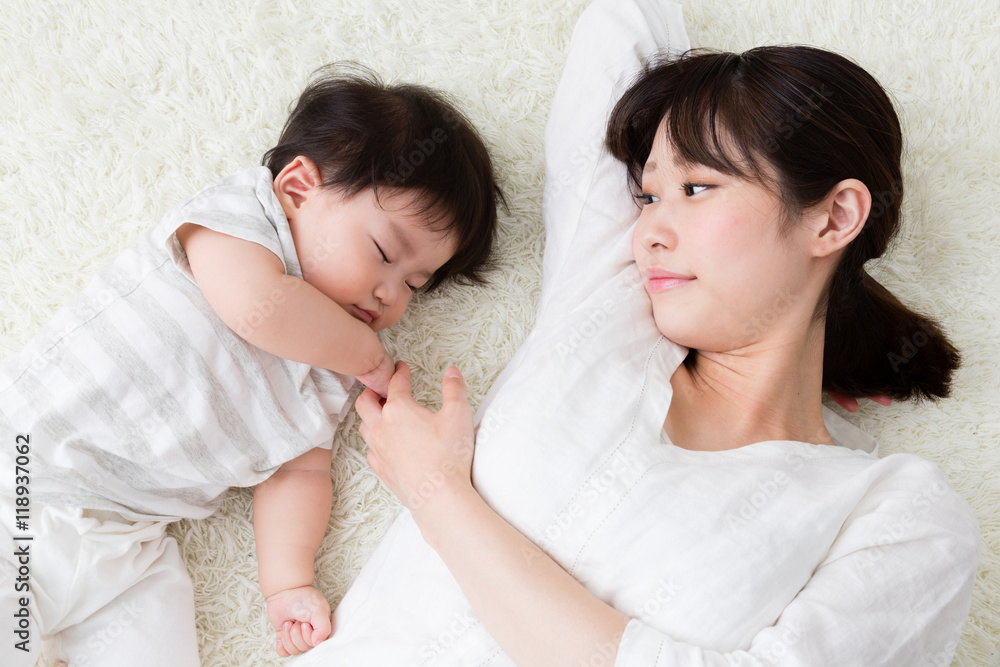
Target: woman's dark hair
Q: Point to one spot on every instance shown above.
(363, 133)
(801, 119)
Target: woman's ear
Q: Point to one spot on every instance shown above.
(292, 185)
(841, 217)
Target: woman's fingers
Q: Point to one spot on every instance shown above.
(454, 393)
(846, 402)
(851, 404)
(369, 406)
(399, 385)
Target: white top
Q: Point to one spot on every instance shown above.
(139, 399)
(773, 553)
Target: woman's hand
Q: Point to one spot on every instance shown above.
(851, 404)
(415, 451)
(537, 612)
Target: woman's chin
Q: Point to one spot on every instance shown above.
(694, 337)
(680, 336)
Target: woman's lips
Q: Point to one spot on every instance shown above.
(658, 280)
(366, 316)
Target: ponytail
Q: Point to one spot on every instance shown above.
(877, 346)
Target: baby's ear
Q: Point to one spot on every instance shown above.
(296, 180)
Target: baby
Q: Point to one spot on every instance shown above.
(217, 352)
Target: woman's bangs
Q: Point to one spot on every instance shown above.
(712, 123)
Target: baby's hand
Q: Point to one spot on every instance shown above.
(378, 379)
(301, 617)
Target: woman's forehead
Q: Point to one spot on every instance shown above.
(712, 146)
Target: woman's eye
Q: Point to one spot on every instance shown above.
(691, 189)
(644, 198)
(412, 288)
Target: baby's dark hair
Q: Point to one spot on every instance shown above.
(361, 132)
(810, 118)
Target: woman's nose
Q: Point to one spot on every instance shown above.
(655, 232)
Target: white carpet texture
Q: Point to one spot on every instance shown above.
(113, 110)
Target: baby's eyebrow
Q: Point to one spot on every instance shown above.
(401, 238)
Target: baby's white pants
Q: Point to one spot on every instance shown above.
(103, 590)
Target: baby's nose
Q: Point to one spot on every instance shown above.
(385, 293)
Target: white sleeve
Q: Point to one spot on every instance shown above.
(242, 205)
(894, 589)
(587, 206)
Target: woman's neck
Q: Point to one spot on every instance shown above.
(729, 400)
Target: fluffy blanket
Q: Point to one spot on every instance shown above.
(114, 110)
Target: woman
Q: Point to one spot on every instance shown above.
(634, 504)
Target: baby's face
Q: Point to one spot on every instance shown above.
(367, 255)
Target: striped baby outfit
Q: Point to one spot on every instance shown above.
(136, 396)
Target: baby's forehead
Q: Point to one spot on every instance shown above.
(414, 208)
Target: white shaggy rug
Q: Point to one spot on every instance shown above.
(111, 111)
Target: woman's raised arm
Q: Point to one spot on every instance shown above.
(587, 208)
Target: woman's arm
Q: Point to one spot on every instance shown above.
(587, 207)
(535, 610)
(893, 590)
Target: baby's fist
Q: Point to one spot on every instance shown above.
(378, 379)
(300, 617)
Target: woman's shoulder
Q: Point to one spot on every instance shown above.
(883, 499)
(904, 498)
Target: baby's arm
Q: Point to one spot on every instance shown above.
(291, 510)
(246, 285)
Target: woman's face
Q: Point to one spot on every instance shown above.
(718, 274)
